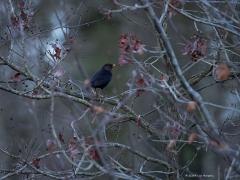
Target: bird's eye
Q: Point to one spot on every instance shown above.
(108, 67)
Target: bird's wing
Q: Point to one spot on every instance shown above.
(100, 79)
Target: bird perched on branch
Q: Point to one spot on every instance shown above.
(102, 77)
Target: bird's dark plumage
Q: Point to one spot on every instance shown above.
(102, 77)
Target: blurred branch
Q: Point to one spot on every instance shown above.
(213, 132)
(169, 50)
(204, 21)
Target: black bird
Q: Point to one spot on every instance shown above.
(102, 77)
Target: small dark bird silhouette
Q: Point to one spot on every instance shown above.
(102, 77)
